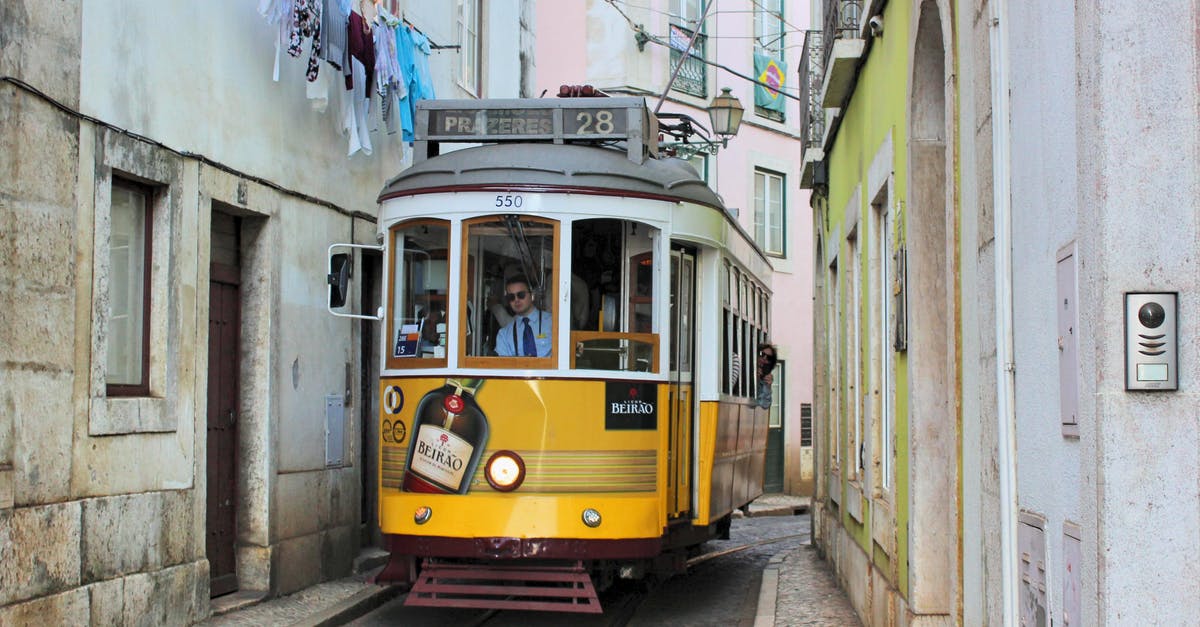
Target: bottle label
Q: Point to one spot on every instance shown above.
(441, 455)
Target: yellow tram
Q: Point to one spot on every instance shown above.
(567, 371)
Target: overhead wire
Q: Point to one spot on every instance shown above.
(638, 28)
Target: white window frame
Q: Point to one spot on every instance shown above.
(769, 217)
(468, 18)
(769, 28)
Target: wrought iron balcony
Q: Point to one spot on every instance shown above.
(692, 77)
(812, 70)
(842, 21)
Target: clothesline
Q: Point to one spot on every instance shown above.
(432, 44)
(382, 60)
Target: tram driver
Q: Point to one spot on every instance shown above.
(529, 333)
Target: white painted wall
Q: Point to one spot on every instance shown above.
(1044, 218)
(1105, 152)
(1139, 178)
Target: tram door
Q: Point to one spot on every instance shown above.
(682, 393)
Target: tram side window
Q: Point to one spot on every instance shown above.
(613, 295)
(745, 311)
(510, 289)
(419, 319)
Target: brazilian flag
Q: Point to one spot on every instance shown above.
(769, 71)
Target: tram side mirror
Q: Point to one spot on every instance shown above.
(340, 271)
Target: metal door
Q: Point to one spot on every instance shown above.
(223, 325)
(682, 401)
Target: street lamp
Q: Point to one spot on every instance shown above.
(725, 112)
(725, 116)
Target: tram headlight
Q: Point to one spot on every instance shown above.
(505, 471)
(422, 515)
(591, 517)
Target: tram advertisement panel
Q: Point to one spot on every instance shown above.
(439, 435)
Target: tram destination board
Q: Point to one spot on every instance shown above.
(562, 120)
(486, 124)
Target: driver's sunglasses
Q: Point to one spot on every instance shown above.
(766, 354)
(511, 296)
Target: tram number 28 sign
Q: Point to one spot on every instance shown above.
(500, 124)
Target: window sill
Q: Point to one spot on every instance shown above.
(122, 416)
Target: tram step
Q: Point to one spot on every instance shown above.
(540, 588)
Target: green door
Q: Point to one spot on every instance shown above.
(773, 469)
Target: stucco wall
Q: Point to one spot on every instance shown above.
(1139, 177)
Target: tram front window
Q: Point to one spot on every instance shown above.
(510, 293)
(418, 295)
(613, 295)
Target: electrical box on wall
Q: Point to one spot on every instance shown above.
(1151, 341)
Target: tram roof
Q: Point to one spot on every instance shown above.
(553, 167)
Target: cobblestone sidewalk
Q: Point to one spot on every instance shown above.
(808, 593)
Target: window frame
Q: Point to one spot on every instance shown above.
(470, 45)
(762, 215)
(407, 363)
(761, 15)
(516, 362)
(141, 389)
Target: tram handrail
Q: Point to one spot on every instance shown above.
(578, 338)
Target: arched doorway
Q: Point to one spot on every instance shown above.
(933, 424)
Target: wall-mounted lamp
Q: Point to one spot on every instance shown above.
(725, 118)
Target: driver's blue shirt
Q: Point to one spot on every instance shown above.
(508, 340)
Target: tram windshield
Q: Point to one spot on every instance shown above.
(418, 292)
(510, 288)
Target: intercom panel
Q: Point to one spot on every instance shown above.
(1151, 341)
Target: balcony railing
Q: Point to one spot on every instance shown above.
(842, 19)
(692, 76)
(812, 69)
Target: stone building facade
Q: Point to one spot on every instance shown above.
(167, 113)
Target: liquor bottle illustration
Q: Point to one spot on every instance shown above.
(450, 432)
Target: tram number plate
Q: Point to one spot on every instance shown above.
(509, 200)
(595, 121)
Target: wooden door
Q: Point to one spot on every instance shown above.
(774, 466)
(224, 314)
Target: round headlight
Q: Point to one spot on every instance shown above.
(591, 517)
(422, 515)
(505, 471)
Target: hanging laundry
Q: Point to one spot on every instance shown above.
(306, 22)
(278, 13)
(404, 52)
(333, 32)
(421, 57)
(317, 92)
(413, 50)
(356, 111)
(361, 45)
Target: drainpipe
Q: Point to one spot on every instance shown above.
(1005, 366)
